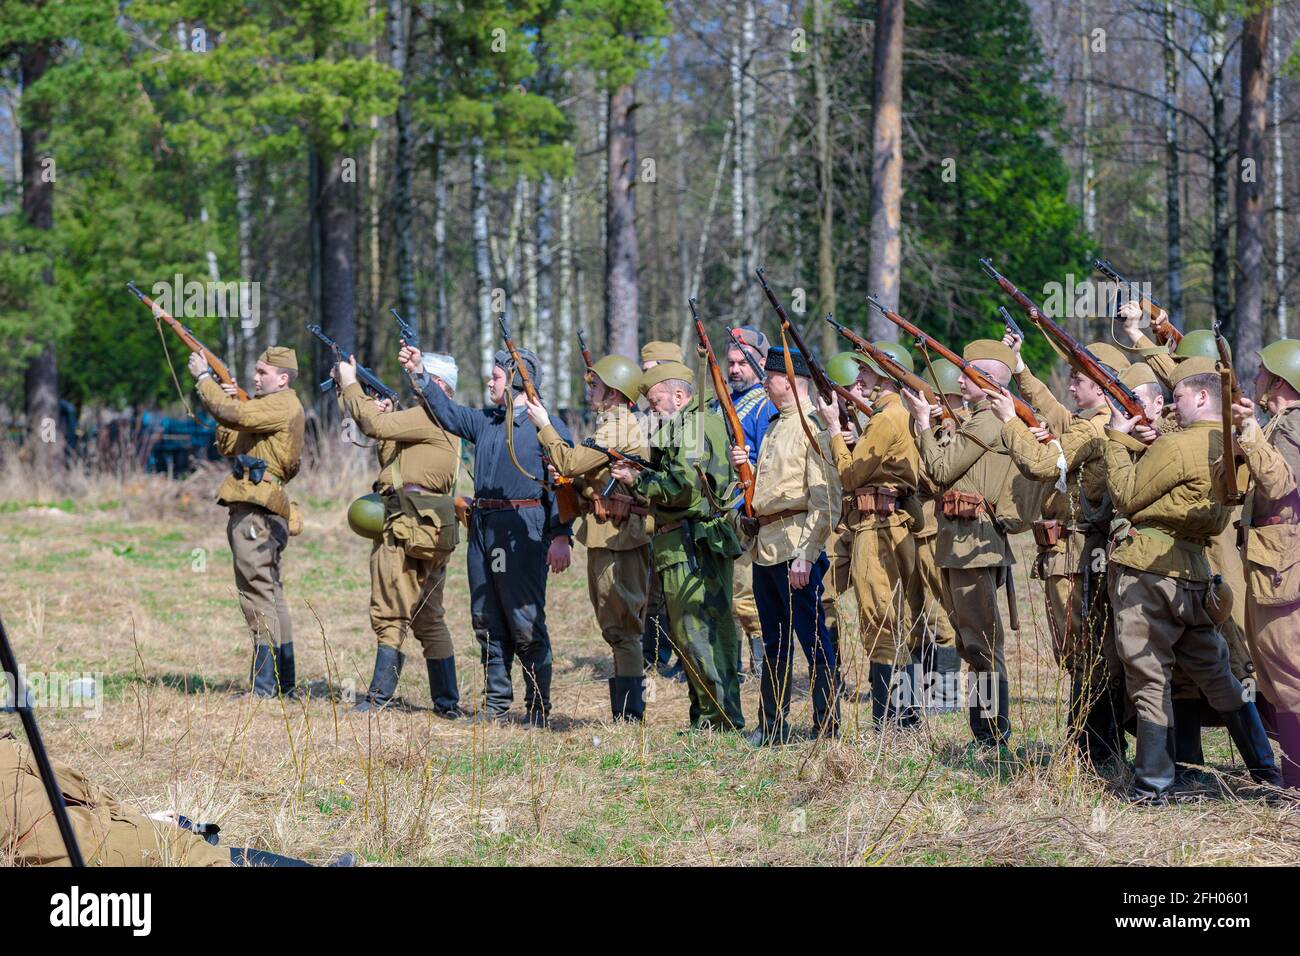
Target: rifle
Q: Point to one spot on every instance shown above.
(1023, 409)
(739, 343)
(219, 368)
(1229, 394)
(1164, 330)
(586, 352)
(613, 454)
(366, 378)
(9, 665)
(566, 495)
(821, 381)
(898, 373)
(1080, 359)
(734, 429)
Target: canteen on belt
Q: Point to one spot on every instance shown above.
(366, 516)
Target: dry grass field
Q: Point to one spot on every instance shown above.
(131, 578)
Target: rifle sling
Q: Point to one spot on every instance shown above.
(798, 406)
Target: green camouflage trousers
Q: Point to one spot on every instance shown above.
(704, 635)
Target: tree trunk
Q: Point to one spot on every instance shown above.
(749, 161)
(737, 177)
(1173, 210)
(548, 336)
(439, 278)
(245, 358)
(41, 380)
(622, 257)
(338, 226)
(1222, 272)
(826, 208)
(404, 171)
(1248, 312)
(214, 275)
(886, 256)
(564, 328)
(482, 262)
(1279, 217)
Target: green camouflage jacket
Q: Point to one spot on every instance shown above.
(688, 440)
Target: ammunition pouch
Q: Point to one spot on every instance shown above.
(424, 526)
(876, 500)
(964, 506)
(612, 508)
(1047, 532)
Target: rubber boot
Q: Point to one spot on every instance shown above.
(443, 689)
(882, 709)
(774, 703)
(263, 674)
(285, 669)
(1187, 741)
(626, 700)
(383, 684)
(1247, 732)
(537, 694)
(1153, 766)
(825, 702)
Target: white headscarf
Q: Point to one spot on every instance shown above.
(441, 365)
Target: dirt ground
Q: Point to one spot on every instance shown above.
(130, 580)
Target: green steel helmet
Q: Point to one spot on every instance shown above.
(619, 373)
(1282, 358)
(1199, 343)
(947, 377)
(366, 516)
(895, 351)
(843, 368)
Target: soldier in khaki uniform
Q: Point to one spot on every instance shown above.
(656, 648)
(1190, 707)
(264, 432)
(879, 476)
(408, 564)
(934, 619)
(1270, 526)
(796, 503)
(1160, 582)
(972, 550)
(613, 526)
(1071, 536)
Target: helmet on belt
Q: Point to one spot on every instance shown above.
(946, 378)
(895, 351)
(1199, 343)
(366, 516)
(842, 368)
(619, 373)
(1282, 358)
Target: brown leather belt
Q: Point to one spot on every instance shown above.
(500, 504)
(765, 520)
(413, 489)
(665, 528)
(1269, 521)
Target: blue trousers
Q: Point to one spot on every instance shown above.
(785, 611)
(506, 562)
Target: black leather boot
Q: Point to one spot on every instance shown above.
(1187, 740)
(907, 693)
(626, 700)
(774, 703)
(443, 689)
(263, 673)
(825, 701)
(1153, 766)
(537, 694)
(1004, 710)
(982, 708)
(285, 669)
(383, 684)
(882, 708)
(1247, 732)
(1103, 735)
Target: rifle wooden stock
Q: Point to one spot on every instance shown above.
(821, 381)
(1024, 411)
(1229, 394)
(191, 341)
(734, 429)
(909, 380)
(586, 352)
(1080, 359)
(566, 495)
(1164, 330)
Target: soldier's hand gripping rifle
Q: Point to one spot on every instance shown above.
(613, 454)
(219, 368)
(734, 430)
(1073, 351)
(566, 495)
(1024, 411)
(1229, 394)
(895, 371)
(367, 379)
(1164, 330)
(821, 381)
